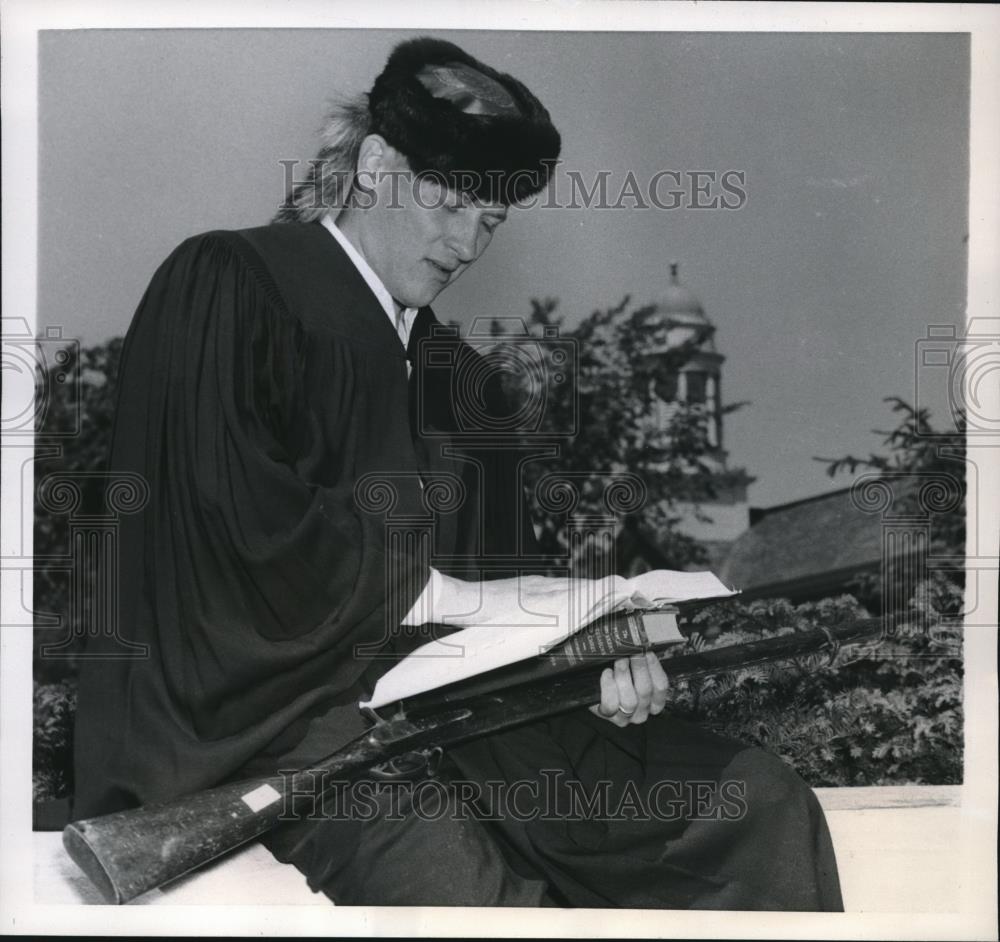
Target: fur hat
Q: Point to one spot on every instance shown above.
(454, 116)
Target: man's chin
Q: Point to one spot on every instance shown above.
(419, 299)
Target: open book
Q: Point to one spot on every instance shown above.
(472, 651)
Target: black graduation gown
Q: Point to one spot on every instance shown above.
(260, 382)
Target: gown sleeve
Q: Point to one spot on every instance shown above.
(251, 574)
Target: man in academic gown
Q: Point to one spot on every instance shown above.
(276, 393)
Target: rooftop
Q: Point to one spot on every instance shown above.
(821, 537)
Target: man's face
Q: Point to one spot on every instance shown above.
(419, 236)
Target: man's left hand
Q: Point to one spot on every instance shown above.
(633, 690)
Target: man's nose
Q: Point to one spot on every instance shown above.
(462, 239)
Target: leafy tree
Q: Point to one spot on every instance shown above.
(926, 468)
(916, 447)
(607, 420)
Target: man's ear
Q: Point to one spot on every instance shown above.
(373, 156)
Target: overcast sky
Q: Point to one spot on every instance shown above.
(850, 244)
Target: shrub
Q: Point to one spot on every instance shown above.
(54, 707)
(888, 713)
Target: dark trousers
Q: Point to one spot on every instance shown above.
(574, 811)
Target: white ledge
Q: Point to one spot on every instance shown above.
(889, 796)
(895, 850)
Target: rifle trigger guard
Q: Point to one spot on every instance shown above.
(412, 766)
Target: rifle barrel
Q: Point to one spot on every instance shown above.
(128, 853)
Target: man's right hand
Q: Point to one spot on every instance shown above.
(633, 690)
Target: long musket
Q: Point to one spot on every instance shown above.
(128, 853)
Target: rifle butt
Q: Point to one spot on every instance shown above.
(128, 853)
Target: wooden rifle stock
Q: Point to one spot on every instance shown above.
(128, 853)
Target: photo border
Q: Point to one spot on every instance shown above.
(22, 22)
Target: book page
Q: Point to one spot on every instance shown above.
(668, 585)
(482, 648)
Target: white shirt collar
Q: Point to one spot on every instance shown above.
(401, 320)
